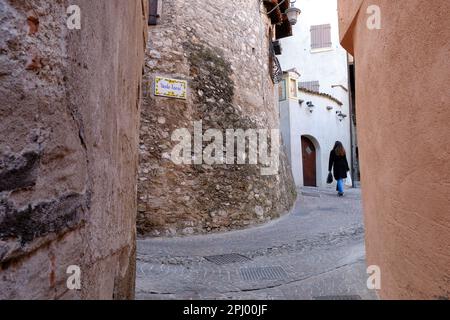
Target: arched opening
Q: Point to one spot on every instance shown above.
(310, 157)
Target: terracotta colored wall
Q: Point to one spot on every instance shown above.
(402, 81)
(69, 122)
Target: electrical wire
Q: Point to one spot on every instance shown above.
(276, 7)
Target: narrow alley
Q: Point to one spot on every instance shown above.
(315, 252)
(224, 150)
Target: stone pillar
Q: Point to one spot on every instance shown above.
(402, 96)
(68, 147)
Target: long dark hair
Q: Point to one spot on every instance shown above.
(339, 149)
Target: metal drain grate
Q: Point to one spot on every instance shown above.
(227, 258)
(263, 273)
(354, 297)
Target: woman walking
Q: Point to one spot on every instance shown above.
(338, 162)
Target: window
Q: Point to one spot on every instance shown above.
(310, 85)
(282, 90)
(293, 88)
(155, 7)
(321, 37)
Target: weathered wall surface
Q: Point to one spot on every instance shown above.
(222, 49)
(402, 81)
(68, 147)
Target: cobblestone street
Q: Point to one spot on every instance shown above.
(315, 252)
(248, 150)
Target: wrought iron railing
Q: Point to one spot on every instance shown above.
(275, 66)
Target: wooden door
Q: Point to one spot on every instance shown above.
(309, 163)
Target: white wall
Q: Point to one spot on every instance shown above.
(324, 126)
(329, 68)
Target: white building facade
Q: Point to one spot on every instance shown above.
(314, 96)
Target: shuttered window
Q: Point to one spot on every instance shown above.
(310, 85)
(321, 36)
(293, 88)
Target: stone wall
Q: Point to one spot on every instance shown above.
(402, 98)
(68, 147)
(222, 49)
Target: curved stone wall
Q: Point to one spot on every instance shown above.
(221, 49)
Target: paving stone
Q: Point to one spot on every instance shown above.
(319, 246)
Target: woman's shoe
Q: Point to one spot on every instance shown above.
(340, 194)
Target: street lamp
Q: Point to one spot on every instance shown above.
(293, 13)
(310, 106)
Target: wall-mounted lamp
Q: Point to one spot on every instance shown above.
(293, 13)
(341, 115)
(300, 102)
(310, 106)
(329, 108)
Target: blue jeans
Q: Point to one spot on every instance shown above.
(340, 185)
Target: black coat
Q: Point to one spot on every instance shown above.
(339, 165)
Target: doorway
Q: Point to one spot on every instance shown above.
(309, 163)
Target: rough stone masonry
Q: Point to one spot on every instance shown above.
(221, 48)
(69, 120)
